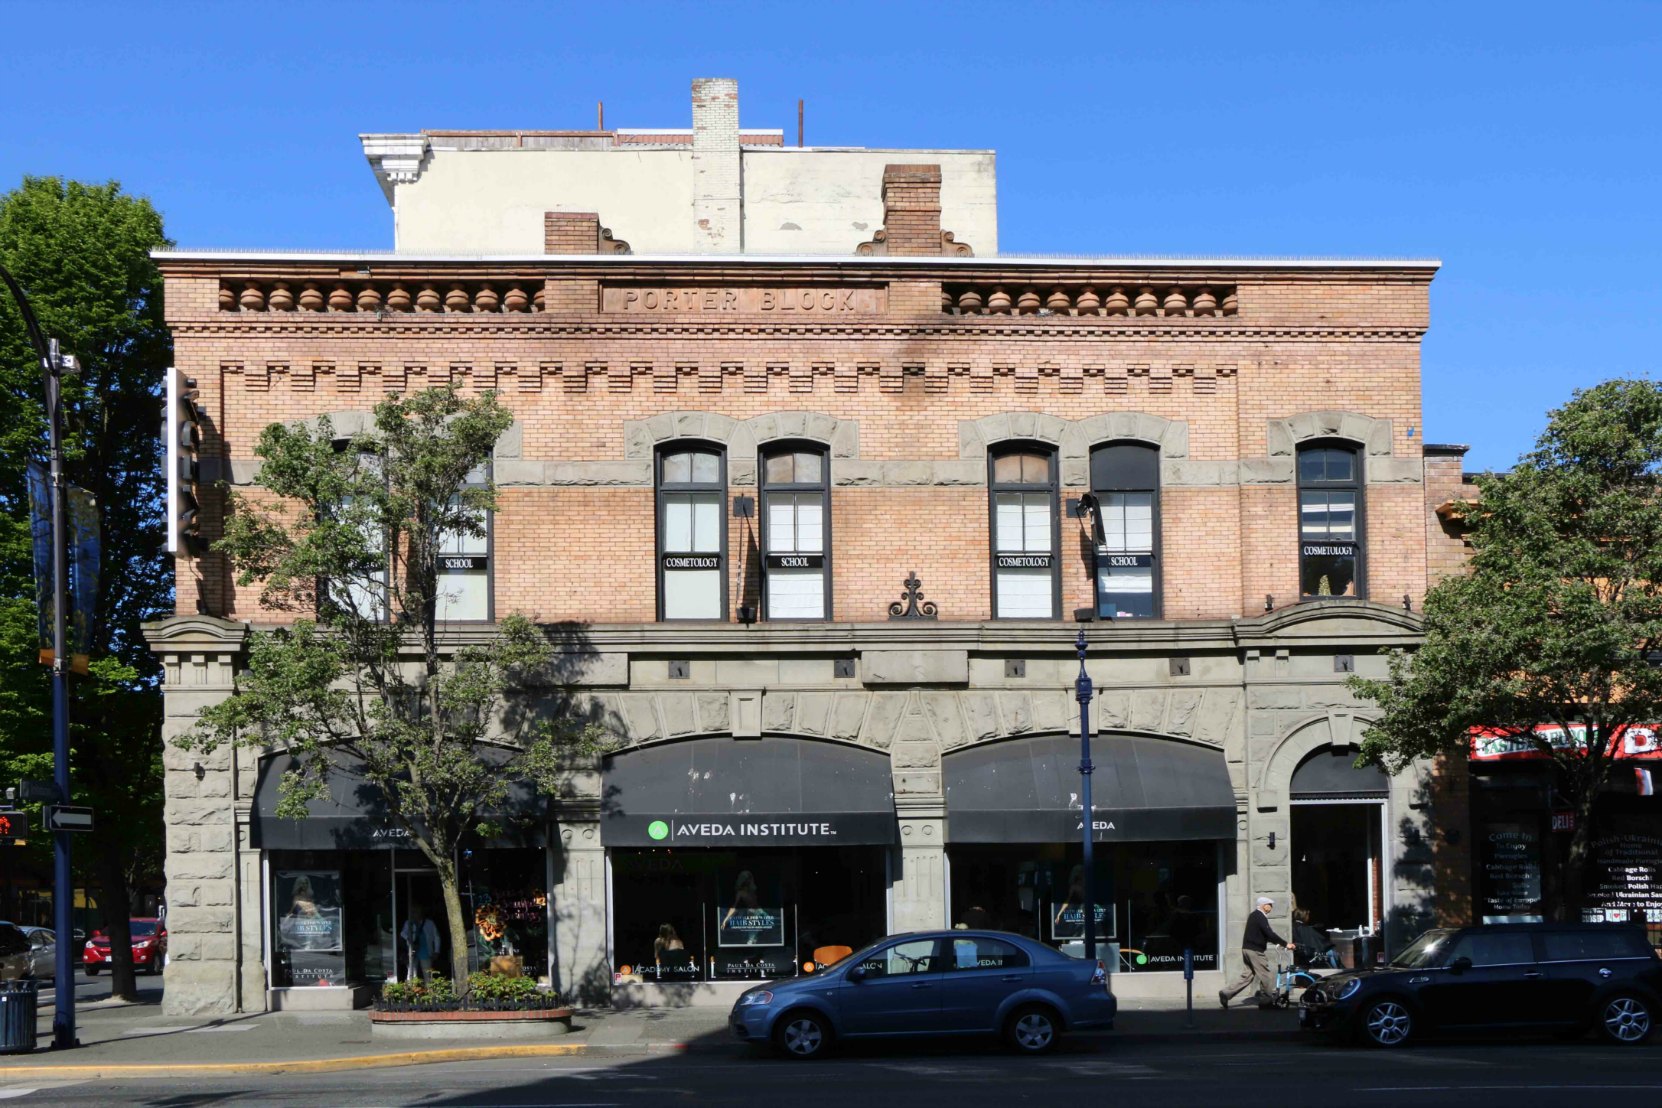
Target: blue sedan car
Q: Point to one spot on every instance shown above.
(931, 983)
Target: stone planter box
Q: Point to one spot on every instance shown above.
(529, 1025)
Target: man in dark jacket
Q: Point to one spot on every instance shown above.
(1256, 940)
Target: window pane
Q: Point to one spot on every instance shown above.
(678, 523)
(1125, 592)
(1035, 469)
(1326, 464)
(1494, 949)
(781, 523)
(464, 595)
(1036, 520)
(706, 468)
(796, 594)
(1022, 520)
(984, 954)
(692, 594)
(779, 469)
(809, 469)
(1327, 515)
(810, 523)
(903, 959)
(1328, 574)
(677, 469)
(1025, 594)
(706, 508)
(1007, 469)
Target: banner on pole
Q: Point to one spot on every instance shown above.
(83, 550)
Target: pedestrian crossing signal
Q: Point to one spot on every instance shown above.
(13, 826)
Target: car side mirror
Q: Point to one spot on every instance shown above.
(857, 973)
(1460, 965)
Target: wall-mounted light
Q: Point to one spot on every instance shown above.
(200, 771)
(1407, 603)
(1272, 840)
(1269, 602)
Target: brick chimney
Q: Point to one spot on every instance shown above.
(717, 208)
(570, 233)
(912, 209)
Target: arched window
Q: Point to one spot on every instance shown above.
(692, 533)
(464, 592)
(796, 528)
(1022, 491)
(1330, 520)
(1125, 479)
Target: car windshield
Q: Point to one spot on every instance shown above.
(1427, 950)
(142, 928)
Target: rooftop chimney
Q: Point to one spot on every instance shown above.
(912, 209)
(717, 212)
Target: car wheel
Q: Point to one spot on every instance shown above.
(92, 971)
(1387, 1023)
(801, 1035)
(1625, 1019)
(1032, 1030)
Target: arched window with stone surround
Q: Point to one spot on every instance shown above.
(1022, 491)
(1330, 520)
(692, 531)
(1125, 480)
(796, 529)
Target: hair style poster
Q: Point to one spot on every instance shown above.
(754, 914)
(310, 937)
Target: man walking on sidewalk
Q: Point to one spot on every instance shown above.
(1257, 939)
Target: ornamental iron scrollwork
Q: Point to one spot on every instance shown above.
(908, 606)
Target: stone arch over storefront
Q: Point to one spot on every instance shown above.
(1338, 729)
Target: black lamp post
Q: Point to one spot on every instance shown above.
(1082, 690)
(53, 365)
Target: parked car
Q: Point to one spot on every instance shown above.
(149, 947)
(14, 952)
(1507, 978)
(931, 983)
(43, 952)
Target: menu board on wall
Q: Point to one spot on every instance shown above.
(1511, 873)
(1628, 877)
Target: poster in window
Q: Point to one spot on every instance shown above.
(750, 919)
(1511, 873)
(310, 937)
(1629, 867)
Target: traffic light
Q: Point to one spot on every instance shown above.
(182, 431)
(13, 826)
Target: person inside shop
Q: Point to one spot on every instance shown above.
(1313, 945)
(976, 918)
(1076, 900)
(421, 940)
(745, 902)
(1257, 939)
(668, 948)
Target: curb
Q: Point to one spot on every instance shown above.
(310, 1065)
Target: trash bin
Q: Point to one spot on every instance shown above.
(17, 1016)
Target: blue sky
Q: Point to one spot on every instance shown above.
(1520, 143)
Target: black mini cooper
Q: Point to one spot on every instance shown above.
(1508, 978)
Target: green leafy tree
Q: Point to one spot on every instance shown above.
(1558, 619)
(82, 253)
(364, 676)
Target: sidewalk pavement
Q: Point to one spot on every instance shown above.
(135, 1040)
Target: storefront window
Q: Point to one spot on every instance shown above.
(1152, 899)
(713, 915)
(505, 898)
(331, 917)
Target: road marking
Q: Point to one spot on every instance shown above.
(220, 1027)
(156, 1030)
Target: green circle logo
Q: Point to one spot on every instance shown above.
(658, 829)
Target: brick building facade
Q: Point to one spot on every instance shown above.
(1213, 467)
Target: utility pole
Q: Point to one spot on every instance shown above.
(1082, 690)
(54, 364)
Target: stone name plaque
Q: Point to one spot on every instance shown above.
(783, 303)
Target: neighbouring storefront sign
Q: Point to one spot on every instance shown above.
(794, 830)
(1629, 867)
(1497, 745)
(782, 302)
(1511, 864)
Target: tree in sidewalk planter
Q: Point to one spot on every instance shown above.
(82, 254)
(1558, 616)
(367, 677)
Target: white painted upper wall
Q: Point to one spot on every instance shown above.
(794, 200)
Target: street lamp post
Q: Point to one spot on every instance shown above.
(1082, 690)
(53, 364)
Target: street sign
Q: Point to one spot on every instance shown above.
(68, 819)
(37, 792)
(14, 825)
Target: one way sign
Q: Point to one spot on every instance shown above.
(68, 819)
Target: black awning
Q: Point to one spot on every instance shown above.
(747, 792)
(1143, 789)
(1333, 773)
(353, 814)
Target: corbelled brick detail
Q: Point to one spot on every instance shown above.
(570, 233)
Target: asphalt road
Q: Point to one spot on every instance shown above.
(962, 1075)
